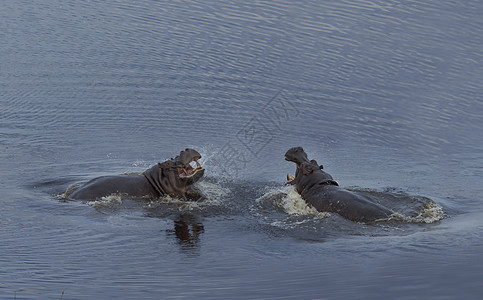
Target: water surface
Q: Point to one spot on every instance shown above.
(386, 95)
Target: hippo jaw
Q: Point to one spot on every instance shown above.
(188, 165)
(298, 156)
(188, 168)
(190, 174)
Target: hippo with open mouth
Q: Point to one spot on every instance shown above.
(320, 190)
(173, 177)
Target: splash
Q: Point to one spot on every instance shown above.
(107, 201)
(70, 189)
(288, 199)
(429, 212)
(212, 194)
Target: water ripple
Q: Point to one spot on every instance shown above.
(387, 94)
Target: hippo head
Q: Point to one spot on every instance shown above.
(188, 173)
(175, 176)
(308, 172)
(296, 155)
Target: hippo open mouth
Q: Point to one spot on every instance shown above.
(298, 156)
(187, 163)
(190, 169)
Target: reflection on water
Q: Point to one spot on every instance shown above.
(187, 230)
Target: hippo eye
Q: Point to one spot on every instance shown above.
(308, 171)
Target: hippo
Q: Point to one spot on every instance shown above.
(173, 177)
(321, 191)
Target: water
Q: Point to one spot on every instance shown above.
(386, 95)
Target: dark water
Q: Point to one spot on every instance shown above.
(387, 95)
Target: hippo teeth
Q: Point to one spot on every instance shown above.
(198, 166)
(290, 178)
(188, 170)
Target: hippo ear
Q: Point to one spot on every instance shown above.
(321, 167)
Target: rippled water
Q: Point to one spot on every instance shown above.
(386, 95)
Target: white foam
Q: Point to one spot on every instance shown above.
(430, 212)
(70, 189)
(107, 201)
(290, 201)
